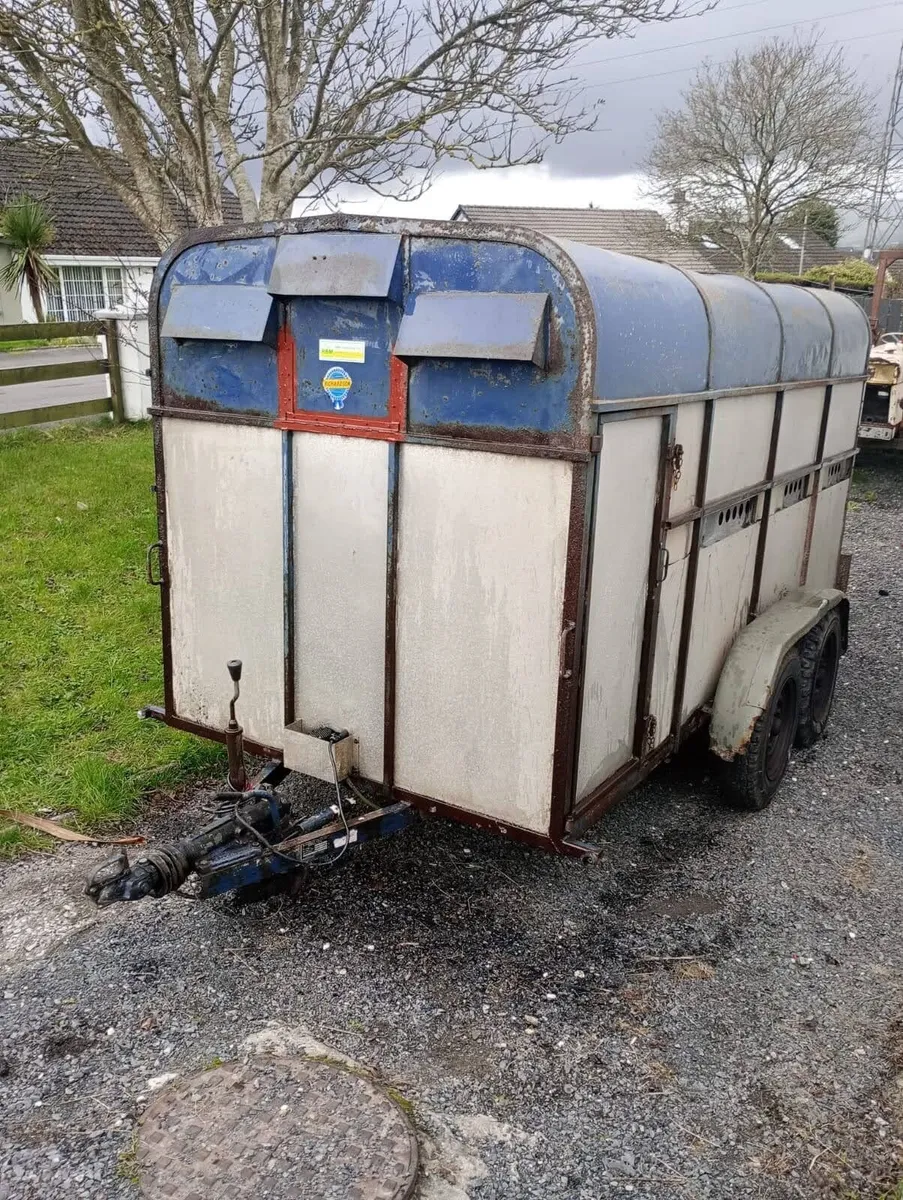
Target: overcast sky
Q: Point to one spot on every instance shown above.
(637, 77)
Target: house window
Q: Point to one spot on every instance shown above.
(77, 292)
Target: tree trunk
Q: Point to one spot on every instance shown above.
(34, 290)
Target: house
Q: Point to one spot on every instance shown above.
(103, 255)
(790, 252)
(646, 233)
(639, 231)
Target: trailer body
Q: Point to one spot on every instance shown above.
(497, 506)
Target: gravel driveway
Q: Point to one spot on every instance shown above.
(710, 1011)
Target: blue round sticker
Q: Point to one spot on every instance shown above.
(337, 385)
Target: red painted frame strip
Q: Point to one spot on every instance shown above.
(386, 429)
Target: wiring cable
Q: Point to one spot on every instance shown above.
(283, 854)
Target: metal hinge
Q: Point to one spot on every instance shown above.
(595, 443)
(676, 458)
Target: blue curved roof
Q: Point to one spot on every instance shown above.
(613, 327)
(662, 331)
(651, 327)
(808, 332)
(852, 335)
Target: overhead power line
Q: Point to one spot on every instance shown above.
(692, 66)
(723, 37)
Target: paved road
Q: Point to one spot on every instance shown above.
(55, 391)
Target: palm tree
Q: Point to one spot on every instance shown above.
(27, 229)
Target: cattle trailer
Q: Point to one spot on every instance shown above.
(493, 522)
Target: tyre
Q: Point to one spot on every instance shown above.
(820, 652)
(753, 777)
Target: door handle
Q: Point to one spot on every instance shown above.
(664, 562)
(149, 564)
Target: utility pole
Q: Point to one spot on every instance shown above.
(803, 245)
(887, 198)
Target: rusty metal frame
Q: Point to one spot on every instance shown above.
(816, 486)
(644, 732)
(654, 583)
(163, 540)
(686, 621)
(764, 521)
(570, 650)
(557, 843)
(288, 577)
(585, 600)
(211, 415)
(154, 712)
(611, 406)
(885, 258)
(389, 668)
(524, 449)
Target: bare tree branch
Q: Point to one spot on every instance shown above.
(194, 94)
(757, 136)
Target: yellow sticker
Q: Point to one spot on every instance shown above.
(337, 350)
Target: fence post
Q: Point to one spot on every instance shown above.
(112, 334)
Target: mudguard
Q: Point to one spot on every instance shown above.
(751, 667)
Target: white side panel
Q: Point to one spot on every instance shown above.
(224, 529)
(720, 610)
(670, 616)
(843, 418)
(481, 567)
(800, 425)
(784, 546)
(826, 535)
(625, 499)
(341, 498)
(688, 434)
(741, 438)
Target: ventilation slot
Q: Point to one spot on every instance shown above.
(794, 492)
(837, 472)
(725, 521)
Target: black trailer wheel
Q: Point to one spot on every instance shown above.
(752, 778)
(820, 652)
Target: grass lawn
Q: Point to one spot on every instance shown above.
(80, 631)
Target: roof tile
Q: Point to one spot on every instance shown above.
(88, 217)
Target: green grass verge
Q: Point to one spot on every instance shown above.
(80, 631)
